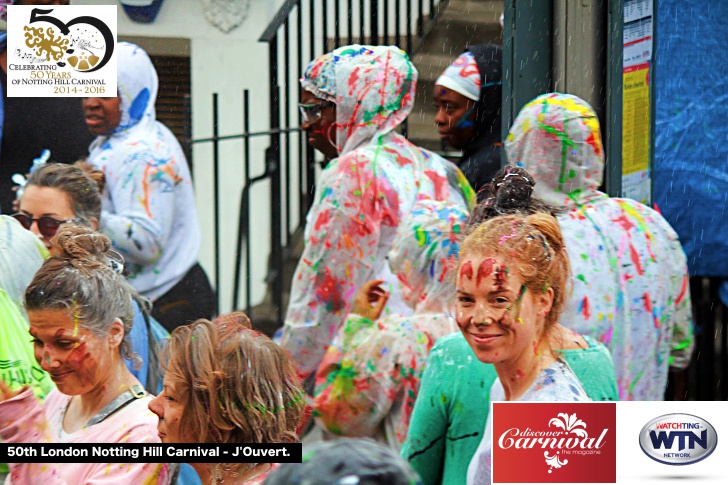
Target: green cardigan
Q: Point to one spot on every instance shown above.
(453, 402)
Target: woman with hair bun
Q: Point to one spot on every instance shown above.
(226, 383)
(455, 391)
(56, 193)
(511, 287)
(80, 313)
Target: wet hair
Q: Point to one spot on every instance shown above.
(509, 192)
(536, 243)
(236, 385)
(81, 182)
(352, 461)
(83, 278)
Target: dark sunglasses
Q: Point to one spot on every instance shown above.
(311, 113)
(47, 225)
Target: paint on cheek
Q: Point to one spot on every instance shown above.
(82, 362)
(484, 270)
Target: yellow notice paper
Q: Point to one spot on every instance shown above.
(635, 119)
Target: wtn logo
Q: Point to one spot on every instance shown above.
(678, 439)
(664, 439)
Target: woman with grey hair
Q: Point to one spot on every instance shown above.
(80, 313)
(57, 193)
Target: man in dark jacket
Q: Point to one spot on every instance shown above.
(468, 100)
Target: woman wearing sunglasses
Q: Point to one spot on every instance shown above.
(56, 194)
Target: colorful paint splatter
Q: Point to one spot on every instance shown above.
(629, 270)
(370, 376)
(362, 195)
(149, 197)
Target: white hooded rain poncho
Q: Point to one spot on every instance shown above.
(629, 271)
(362, 195)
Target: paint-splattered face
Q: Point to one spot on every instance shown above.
(77, 360)
(45, 201)
(498, 316)
(454, 123)
(103, 115)
(169, 408)
(321, 132)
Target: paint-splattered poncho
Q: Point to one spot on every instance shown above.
(370, 376)
(362, 195)
(24, 420)
(149, 208)
(629, 271)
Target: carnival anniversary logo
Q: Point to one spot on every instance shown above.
(554, 442)
(61, 51)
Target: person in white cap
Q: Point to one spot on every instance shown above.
(468, 101)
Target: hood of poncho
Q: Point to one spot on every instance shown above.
(425, 251)
(557, 139)
(373, 88)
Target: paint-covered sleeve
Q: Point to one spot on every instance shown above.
(22, 420)
(142, 196)
(359, 378)
(682, 334)
(341, 253)
(424, 447)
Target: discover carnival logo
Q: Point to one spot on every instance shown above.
(61, 51)
(570, 440)
(678, 439)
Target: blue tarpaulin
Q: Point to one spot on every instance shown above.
(691, 132)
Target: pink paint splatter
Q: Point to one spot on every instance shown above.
(508, 236)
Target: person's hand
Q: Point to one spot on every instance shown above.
(370, 300)
(7, 393)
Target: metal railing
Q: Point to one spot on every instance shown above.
(300, 31)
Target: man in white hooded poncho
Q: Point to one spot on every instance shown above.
(363, 194)
(629, 271)
(149, 210)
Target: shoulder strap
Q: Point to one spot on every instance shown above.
(135, 392)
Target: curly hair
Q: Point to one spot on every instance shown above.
(237, 385)
(536, 243)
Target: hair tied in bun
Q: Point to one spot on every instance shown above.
(512, 187)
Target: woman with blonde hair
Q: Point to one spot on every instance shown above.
(226, 383)
(511, 286)
(56, 194)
